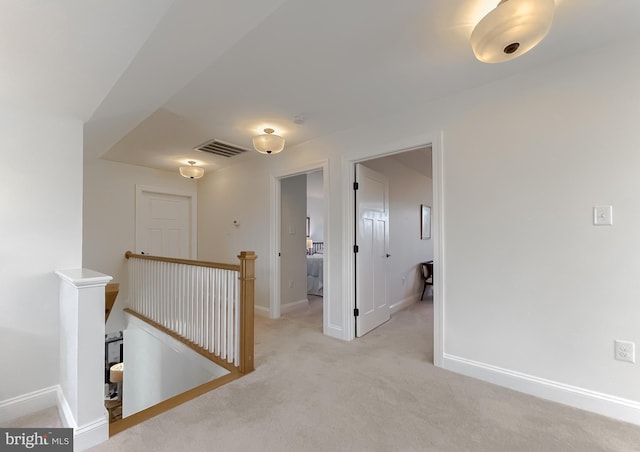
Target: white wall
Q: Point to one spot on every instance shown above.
(158, 367)
(227, 195)
(109, 219)
(40, 232)
(531, 286)
(293, 237)
(408, 189)
(553, 291)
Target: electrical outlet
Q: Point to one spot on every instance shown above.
(625, 351)
(290, 284)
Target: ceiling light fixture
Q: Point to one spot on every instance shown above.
(268, 143)
(513, 28)
(191, 171)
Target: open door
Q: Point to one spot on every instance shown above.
(372, 241)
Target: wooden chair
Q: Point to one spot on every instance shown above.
(426, 268)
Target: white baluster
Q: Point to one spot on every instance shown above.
(199, 301)
(205, 316)
(236, 304)
(230, 316)
(218, 335)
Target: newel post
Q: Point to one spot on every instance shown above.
(247, 292)
(81, 395)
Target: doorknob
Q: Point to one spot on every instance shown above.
(388, 255)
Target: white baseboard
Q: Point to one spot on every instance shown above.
(26, 404)
(289, 307)
(64, 410)
(585, 399)
(91, 434)
(337, 332)
(261, 311)
(84, 436)
(404, 303)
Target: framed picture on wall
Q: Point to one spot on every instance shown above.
(425, 222)
(308, 227)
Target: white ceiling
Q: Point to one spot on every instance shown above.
(418, 159)
(155, 79)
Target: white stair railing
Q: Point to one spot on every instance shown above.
(208, 304)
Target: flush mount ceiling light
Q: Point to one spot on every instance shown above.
(268, 143)
(513, 28)
(191, 172)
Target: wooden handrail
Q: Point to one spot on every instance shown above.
(233, 267)
(246, 277)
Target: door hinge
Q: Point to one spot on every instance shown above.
(355, 185)
(356, 312)
(355, 248)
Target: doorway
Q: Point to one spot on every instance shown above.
(305, 235)
(411, 187)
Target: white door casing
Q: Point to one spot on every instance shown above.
(274, 247)
(372, 239)
(165, 223)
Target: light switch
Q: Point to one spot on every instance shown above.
(602, 215)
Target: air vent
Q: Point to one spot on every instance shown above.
(221, 148)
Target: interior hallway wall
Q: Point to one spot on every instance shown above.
(40, 232)
(525, 160)
(109, 219)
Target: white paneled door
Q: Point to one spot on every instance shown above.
(164, 224)
(372, 239)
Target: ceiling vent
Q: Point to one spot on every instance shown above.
(220, 148)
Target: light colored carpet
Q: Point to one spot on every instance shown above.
(378, 393)
(46, 418)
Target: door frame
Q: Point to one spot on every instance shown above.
(274, 227)
(193, 205)
(437, 230)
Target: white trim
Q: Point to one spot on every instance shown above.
(64, 410)
(87, 435)
(261, 311)
(27, 404)
(296, 305)
(193, 199)
(585, 399)
(348, 240)
(91, 434)
(329, 303)
(437, 165)
(83, 278)
(404, 303)
(274, 245)
(274, 242)
(438, 211)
